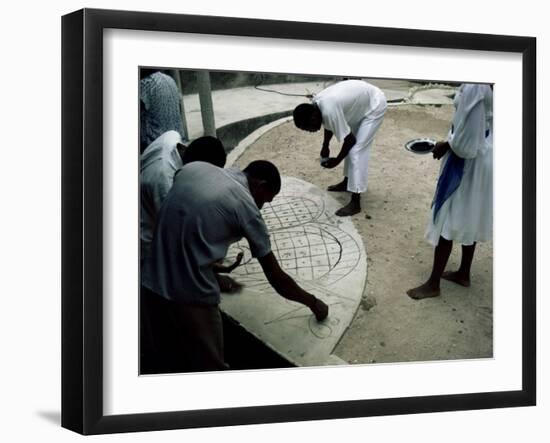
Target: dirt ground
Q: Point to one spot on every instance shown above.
(389, 326)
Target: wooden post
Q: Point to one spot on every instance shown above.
(205, 97)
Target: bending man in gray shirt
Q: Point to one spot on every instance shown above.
(207, 210)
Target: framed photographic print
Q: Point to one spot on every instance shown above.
(244, 214)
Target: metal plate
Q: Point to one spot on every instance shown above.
(420, 145)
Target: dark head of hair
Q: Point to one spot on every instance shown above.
(205, 149)
(265, 171)
(302, 113)
(305, 117)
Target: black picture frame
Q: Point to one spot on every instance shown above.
(82, 230)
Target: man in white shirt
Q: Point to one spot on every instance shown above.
(351, 110)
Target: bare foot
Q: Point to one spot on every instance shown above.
(350, 209)
(340, 187)
(424, 291)
(457, 278)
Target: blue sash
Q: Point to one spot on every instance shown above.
(448, 181)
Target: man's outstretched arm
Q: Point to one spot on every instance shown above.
(285, 286)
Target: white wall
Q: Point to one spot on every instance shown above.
(30, 219)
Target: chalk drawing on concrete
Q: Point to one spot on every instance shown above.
(313, 252)
(326, 257)
(290, 210)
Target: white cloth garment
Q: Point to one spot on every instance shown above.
(158, 165)
(357, 107)
(467, 215)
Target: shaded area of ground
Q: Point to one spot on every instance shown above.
(390, 327)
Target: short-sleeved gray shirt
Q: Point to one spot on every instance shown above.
(207, 209)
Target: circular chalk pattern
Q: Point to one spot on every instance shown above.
(310, 252)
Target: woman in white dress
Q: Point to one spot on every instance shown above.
(462, 209)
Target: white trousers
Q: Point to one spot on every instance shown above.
(356, 162)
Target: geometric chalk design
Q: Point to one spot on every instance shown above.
(310, 252)
(323, 253)
(289, 211)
